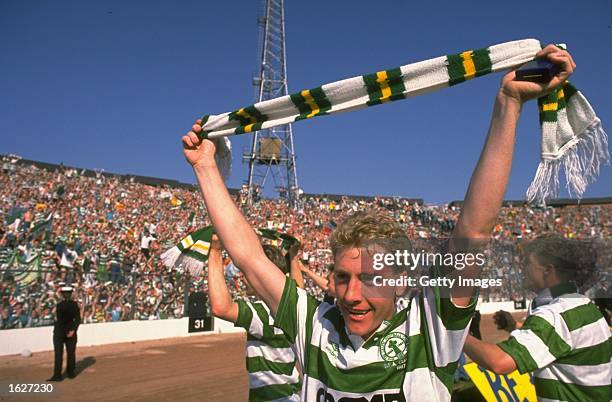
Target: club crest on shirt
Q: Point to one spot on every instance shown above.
(332, 349)
(393, 348)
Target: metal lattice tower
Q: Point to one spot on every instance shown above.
(272, 154)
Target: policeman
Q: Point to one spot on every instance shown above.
(67, 321)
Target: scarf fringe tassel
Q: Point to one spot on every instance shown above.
(581, 165)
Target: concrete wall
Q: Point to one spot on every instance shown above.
(15, 341)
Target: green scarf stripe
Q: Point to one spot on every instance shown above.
(361, 379)
(520, 355)
(334, 317)
(456, 68)
(276, 341)
(372, 88)
(245, 315)
(204, 119)
(561, 103)
(241, 119)
(456, 72)
(242, 129)
(553, 389)
(252, 111)
(264, 317)
(549, 116)
(547, 333)
(321, 100)
(286, 315)
(255, 364)
(272, 392)
(394, 81)
(588, 356)
(318, 98)
(300, 104)
(482, 61)
(569, 90)
(252, 116)
(582, 315)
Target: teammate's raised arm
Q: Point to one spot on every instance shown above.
(488, 183)
(221, 303)
(237, 236)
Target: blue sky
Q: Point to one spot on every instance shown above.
(114, 84)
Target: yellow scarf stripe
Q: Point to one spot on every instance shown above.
(468, 65)
(310, 102)
(187, 242)
(383, 83)
(549, 107)
(560, 94)
(244, 114)
(201, 246)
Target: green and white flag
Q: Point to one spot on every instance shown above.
(191, 252)
(572, 135)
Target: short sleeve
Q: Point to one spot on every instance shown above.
(245, 315)
(539, 342)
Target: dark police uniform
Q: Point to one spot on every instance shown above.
(68, 319)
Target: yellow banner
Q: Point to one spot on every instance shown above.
(513, 387)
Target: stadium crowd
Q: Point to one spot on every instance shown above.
(104, 234)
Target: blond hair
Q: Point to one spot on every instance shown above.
(368, 228)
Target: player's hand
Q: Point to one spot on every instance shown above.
(215, 243)
(522, 91)
(294, 250)
(196, 151)
(504, 320)
(70, 334)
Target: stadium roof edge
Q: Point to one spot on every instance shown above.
(558, 202)
(154, 181)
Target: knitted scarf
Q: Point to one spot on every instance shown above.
(572, 135)
(192, 251)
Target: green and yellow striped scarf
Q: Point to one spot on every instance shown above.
(572, 135)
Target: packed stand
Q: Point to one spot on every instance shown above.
(104, 235)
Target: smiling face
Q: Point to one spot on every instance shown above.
(362, 314)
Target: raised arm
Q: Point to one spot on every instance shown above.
(221, 302)
(488, 183)
(318, 280)
(237, 236)
(295, 265)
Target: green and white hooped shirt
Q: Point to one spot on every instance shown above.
(567, 344)
(270, 359)
(411, 357)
